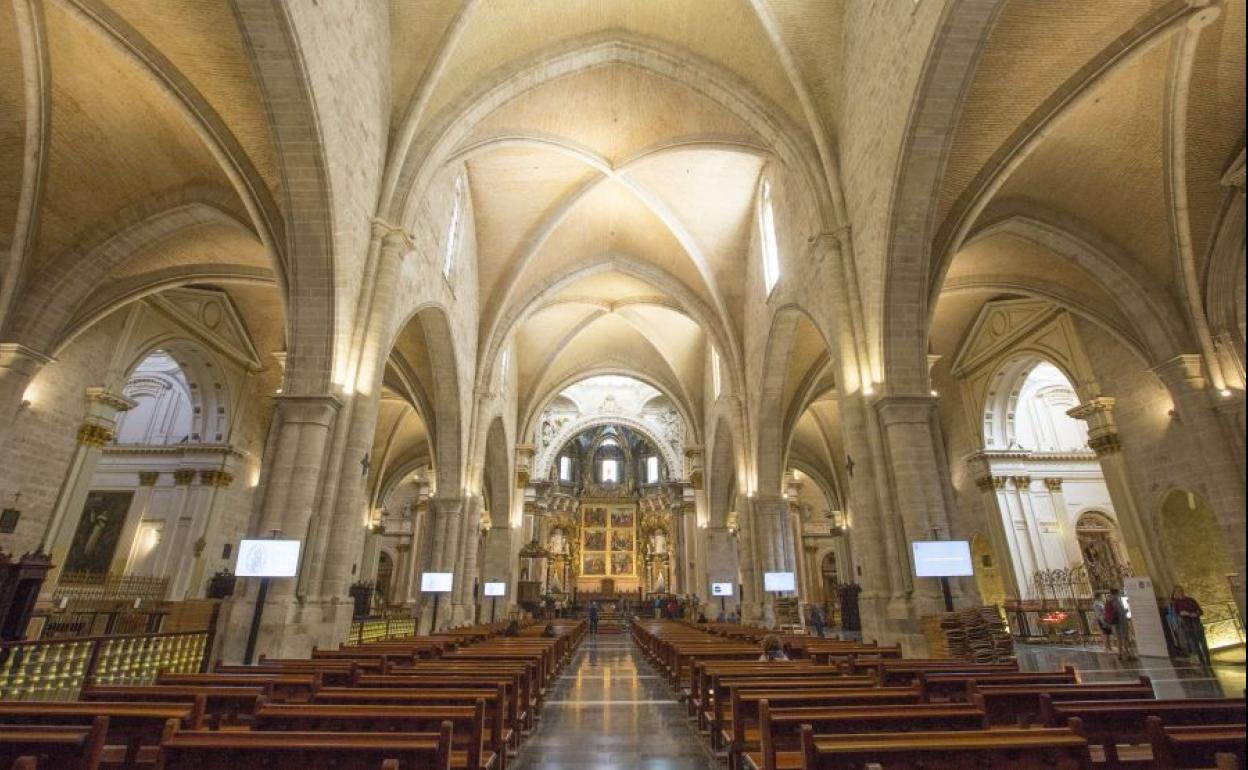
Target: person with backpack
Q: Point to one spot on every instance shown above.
(1116, 617)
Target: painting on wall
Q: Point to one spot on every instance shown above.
(621, 564)
(622, 519)
(98, 533)
(595, 517)
(594, 564)
(621, 540)
(595, 540)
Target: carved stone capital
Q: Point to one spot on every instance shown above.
(21, 358)
(1105, 444)
(94, 436)
(148, 478)
(990, 483)
(106, 398)
(1022, 482)
(220, 479)
(392, 236)
(1054, 483)
(1092, 407)
(183, 476)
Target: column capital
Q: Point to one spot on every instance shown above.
(990, 483)
(105, 398)
(94, 436)
(1107, 443)
(14, 355)
(1186, 367)
(1092, 407)
(1021, 482)
(148, 478)
(392, 236)
(896, 410)
(183, 476)
(217, 478)
(1054, 483)
(315, 409)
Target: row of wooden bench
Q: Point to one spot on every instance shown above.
(460, 699)
(860, 707)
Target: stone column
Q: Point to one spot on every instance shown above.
(768, 516)
(371, 555)
(175, 529)
(800, 567)
(498, 567)
(403, 572)
(1022, 494)
(1070, 541)
(721, 561)
(1001, 533)
(215, 482)
(18, 366)
(906, 423)
(98, 428)
(464, 611)
(1103, 439)
(1197, 406)
(447, 514)
(123, 559)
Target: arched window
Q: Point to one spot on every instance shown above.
(767, 236)
(652, 469)
(716, 382)
(165, 411)
(565, 468)
(453, 230)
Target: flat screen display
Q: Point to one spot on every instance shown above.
(721, 589)
(942, 558)
(495, 589)
(436, 582)
(775, 582)
(267, 558)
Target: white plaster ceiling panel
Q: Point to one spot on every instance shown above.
(673, 333)
(711, 193)
(813, 32)
(543, 333)
(607, 337)
(1021, 66)
(12, 122)
(609, 220)
(805, 355)
(1103, 163)
(202, 39)
(514, 190)
(400, 434)
(209, 244)
(412, 348)
(417, 28)
(1215, 119)
(609, 286)
(726, 32)
(128, 135)
(615, 111)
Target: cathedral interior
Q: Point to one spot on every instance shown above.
(617, 302)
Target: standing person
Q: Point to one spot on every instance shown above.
(1098, 610)
(818, 621)
(1190, 612)
(1116, 616)
(658, 608)
(593, 618)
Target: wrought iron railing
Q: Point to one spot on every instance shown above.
(368, 630)
(60, 669)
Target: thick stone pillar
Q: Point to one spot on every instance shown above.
(498, 568)
(292, 468)
(1211, 438)
(773, 548)
(1098, 413)
(1022, 496)
(18, 366)
(98, 428)
(464, 612)
(906, 424)
(721, 560)
(447, 520)
(177, 530)
(1001, 534)
(1069, 540)
(123, 559)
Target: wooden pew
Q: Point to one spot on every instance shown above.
(201, 750)
(333, 673)
(503, 732)
(1194, 745)
(946, 686)
(780, 748)
(467, 723)
(131, 726)
(60, 747)
(26, 763)
(908, 670)
(519, 704)
(283, 688)
(740, 728)
(222, 705)
(1111, 724)
(1020, 704)
(720, 692)
(1038, 749)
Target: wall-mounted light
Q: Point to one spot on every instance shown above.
(935, 393)
(1226, 393)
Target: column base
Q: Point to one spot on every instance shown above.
(288, 628)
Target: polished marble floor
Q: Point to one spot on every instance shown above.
(608, 711)
(1171, 678)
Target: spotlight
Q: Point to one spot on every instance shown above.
(1226, 393)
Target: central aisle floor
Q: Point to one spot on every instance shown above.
(609, 711)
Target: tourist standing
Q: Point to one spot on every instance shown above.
(1116, 617)
(1189, 613)
(818, 621)
(593, 618)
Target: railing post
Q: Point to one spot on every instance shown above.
(93, 660)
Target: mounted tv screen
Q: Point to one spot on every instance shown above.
(721, 589)
(267, 558)
(942, 558)
(495, 589)
(778, 582)
(436, 582)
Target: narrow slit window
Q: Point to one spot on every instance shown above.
(716, 383)
(453, 230)
(652, 470)
(565, 468)
(767, 235)
(610, 471)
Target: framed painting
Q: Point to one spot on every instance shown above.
(595, 540)
(595, 517)
(621, 564)
(594, 564)
(99, 531)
